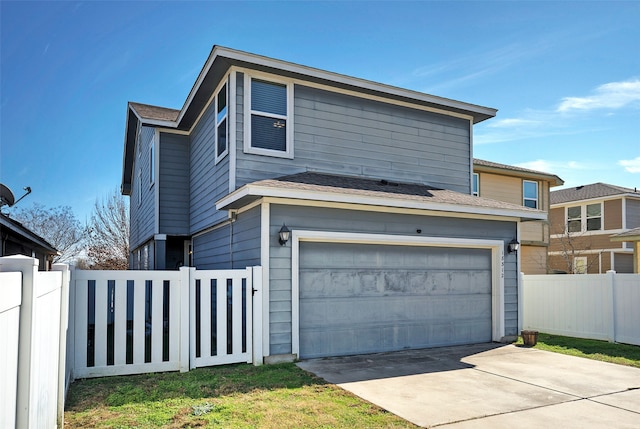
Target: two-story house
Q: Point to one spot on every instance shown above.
(354, 196)
(583, 221)
(529, 188)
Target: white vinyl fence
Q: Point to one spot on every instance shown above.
(115, 323)
(34, 394)
(11, 297)
(596, 306)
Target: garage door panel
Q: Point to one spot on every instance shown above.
(348, 283)
(357, 298)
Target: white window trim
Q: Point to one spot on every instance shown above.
(524, 199)
(220, 156)
(248, 148)
(583, 259)
(477, 192)
(139, 186)
(152, 162)
(497, 267)
(583, 218)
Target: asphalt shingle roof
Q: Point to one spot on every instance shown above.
(587, 192)
(147, 111)
(359, 186)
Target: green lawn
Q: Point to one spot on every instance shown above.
(622, 354)
(233, 396)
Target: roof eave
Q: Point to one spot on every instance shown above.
(551, 178)
(479, 113)
(250, 193)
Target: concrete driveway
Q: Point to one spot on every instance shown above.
(490, 386)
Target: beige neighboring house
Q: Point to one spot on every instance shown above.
(591, 229)
(632, 238)
(529, 188)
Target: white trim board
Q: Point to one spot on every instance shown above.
(497, 268)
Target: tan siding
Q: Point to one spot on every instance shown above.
(556, 220)
(533, 260)
(501, 188)
(532, 231)
(582, 242)
(613, 214)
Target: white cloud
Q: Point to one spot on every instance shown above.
(553, 167)
(631, 165)
(512, 122)
(613, 95)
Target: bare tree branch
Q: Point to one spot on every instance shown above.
(58, 226)
(108, 234)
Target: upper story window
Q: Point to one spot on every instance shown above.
(530, 194)
(475, 186)
(152, 164)
(584, 218)
(594, 217)
(222, 129)
(270, 131)
(139, 186)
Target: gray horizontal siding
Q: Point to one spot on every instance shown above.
(337, 133)
(211, 250)
(208, 181)
(142, 215)
(174, 184)
(325, 219)
(231, 246)
(633, 214)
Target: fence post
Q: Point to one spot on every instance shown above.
(256, 289)
(192, 321)
(29, 268)
(62, 347)
(185, 305)
(520, 301)
(611, 284)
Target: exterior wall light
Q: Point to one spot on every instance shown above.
(514, 246)
(283, 235)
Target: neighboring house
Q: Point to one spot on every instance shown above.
(387, 250)
(15, 239)
(632, 238)
(583, 221)
(525, 187)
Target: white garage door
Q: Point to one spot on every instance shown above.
(365, 298)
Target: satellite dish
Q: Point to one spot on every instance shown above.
(6, 196)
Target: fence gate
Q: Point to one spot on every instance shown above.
(221, 317)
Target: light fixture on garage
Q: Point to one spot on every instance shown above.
(283, 235)
(514, 246)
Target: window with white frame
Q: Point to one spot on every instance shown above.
(152, 164)
(580, 265)
(270, 118)
(593, 217)
(574, 219)
(222, 128)
(475, 190)
(584, 218)
(530, 194)
(139, 186)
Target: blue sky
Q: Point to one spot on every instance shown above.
(564, 76)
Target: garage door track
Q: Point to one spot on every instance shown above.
(490, 386)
